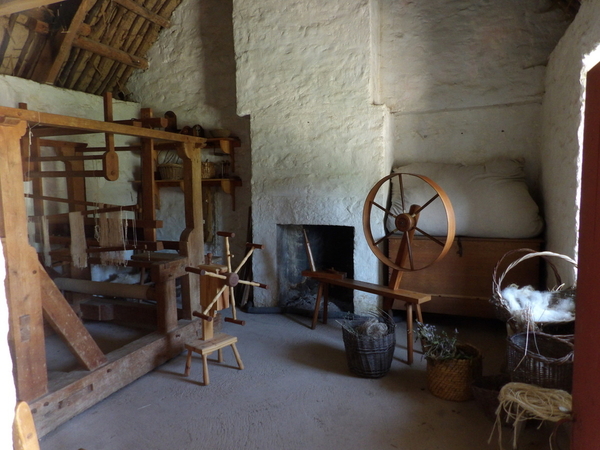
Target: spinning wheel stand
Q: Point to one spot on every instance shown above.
(406, 223)
(217, 283)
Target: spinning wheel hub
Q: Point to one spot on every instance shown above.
(405, 222)
(231, 279)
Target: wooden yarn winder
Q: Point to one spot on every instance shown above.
(217, 283)
(405, 223)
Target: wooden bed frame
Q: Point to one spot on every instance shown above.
(461, 283)
(32, 295)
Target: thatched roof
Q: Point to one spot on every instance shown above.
(86, 45)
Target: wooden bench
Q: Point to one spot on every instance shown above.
(395, 296)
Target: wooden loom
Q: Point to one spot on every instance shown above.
(33, 296)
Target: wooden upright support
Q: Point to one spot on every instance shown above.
(26, 335)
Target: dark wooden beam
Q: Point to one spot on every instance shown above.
(14, 6)
(79, 390)
(66, 43)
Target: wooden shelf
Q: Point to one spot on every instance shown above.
(228, 185)
(225, 144)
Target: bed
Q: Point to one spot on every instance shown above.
(495, 213)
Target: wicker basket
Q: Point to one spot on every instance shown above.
(485, 392)
(541, 359)
(369, 357)
(169, 171)
(500, 304)
(451, 379)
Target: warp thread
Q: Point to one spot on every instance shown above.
(111, 234)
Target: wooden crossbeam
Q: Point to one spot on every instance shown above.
(64, 173)
(124, 366)
(83, 126)
(64, 158)
(67, 325)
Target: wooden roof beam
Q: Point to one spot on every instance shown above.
(65, 44)
(110, 52)
(8, 7)
(144, 12)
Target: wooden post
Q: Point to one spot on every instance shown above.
(148, 183)
(26, 334)
(192, 238)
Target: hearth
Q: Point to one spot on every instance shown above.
(332, 247)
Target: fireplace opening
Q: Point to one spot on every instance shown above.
(331, 246)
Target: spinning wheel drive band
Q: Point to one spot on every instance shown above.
(406, 222)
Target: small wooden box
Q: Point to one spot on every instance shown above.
(461, 283)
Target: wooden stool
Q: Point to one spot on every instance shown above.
(206, 347)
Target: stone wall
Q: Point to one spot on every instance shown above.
(464, 80)
(304, 76)
(562, 137)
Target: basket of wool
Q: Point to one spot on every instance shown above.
(370, 344)
(527, 309)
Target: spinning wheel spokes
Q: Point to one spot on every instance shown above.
(406, 222)
(431, 238)
(387, 236)
(427, 203)
(230, 278)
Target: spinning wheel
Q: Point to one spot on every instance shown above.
(404, 219)
(216, 293)
(230, 279)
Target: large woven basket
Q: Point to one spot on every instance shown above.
(500, 304)
(369, 357)
(451, 379)
(541, 359)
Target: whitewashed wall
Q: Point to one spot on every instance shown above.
(192, 73)
(562, 136)
(464, 79)
(304, 76)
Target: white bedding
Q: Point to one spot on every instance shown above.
(490, 200)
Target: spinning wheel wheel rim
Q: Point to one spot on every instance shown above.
(407, 221)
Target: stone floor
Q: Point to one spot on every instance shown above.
(295, 392)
